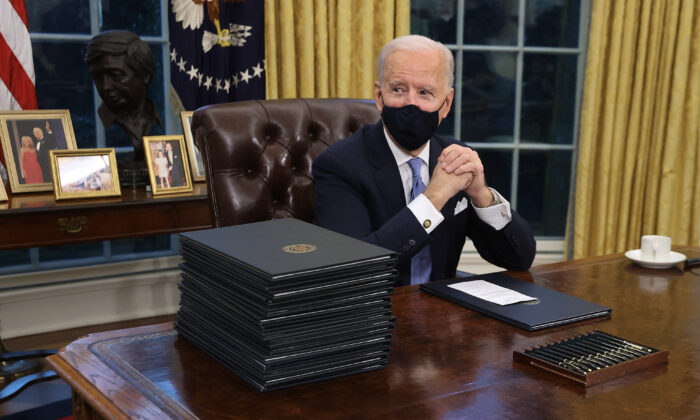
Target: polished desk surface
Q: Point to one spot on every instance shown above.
(37, 219)
(445, 362)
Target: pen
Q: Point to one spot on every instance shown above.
(556, 361)
(602, 363)
(625, 343)
(615, 347)
(605, 354)
(570, 358)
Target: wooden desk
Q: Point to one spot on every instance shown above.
(445, 362)
(29, 220)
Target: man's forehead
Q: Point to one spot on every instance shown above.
(426, 66)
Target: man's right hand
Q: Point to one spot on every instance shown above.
(444, 186)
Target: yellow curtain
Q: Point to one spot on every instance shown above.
(639, 151)
(328, 48)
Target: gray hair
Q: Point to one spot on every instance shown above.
(416, 43)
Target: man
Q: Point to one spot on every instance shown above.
(43, 143)
(364, 184)
(175, 165)
(122, 66)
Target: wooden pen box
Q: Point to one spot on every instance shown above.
(591, 358)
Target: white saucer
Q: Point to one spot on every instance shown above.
(673, 259)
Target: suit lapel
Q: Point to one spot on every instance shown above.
(386, 173)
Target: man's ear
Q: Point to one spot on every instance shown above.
(378, 96)
(448, 104)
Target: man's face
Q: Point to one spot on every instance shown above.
(38, 134)
(414, 78)
(119, 86)
(168, 147)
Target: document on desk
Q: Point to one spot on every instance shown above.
(491, 292)
(540, 308)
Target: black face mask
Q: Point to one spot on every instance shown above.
(409, 125)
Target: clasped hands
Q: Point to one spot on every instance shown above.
(459, 168)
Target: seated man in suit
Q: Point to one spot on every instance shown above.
(372, 185)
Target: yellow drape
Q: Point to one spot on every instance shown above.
(328, 48)
(639, 151)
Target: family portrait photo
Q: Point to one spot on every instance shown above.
(168, 165)
(27, 138)
(196, 160)
(85, 173)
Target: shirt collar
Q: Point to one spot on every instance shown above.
(401, 156)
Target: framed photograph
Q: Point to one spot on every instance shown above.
(168, 166)
(3, 193)
(27, 137)
(84, 173)
(196, 161)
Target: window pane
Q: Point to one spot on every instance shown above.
(543, 190)
(447, 126)
(141, 245)
(70, 252)
(58, 16)
(491, 22)
(552, 23)
(498, 169)
(13, 257)
(63, 82)
(549, 92)
(436, 19)
(488, 96)
(115, 135)
(139, 16)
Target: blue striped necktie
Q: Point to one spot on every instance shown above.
(421, 263)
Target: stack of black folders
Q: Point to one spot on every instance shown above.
(284, 302)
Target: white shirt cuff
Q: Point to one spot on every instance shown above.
(497, 215)
(428, 216)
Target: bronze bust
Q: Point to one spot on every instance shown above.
(122, 67)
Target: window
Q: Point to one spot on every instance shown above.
(60, 31)
(519, 71)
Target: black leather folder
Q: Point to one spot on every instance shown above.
(552, 309)
(282, 249)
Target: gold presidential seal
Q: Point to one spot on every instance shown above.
(299, 248)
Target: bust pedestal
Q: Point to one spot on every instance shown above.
(132, 173)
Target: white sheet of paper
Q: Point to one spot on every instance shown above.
(491, 292)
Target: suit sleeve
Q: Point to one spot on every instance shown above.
(512, 247)
(342, 205)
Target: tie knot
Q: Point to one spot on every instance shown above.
(416, 164)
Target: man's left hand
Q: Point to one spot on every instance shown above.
(460, 159)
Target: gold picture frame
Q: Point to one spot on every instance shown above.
(168, 165)
(28, 165)
(85, 173)
(196, 160)
(3, 193)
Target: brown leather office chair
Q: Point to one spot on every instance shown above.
(258, 154)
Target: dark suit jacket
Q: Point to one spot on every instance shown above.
(42, 154)
(358, 192)
(178, 167)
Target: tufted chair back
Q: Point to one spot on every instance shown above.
(258, 154)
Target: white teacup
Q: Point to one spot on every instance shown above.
(656, 247)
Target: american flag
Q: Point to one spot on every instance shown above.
(217, 51)
(16, 63)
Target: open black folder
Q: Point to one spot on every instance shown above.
(554, 308)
